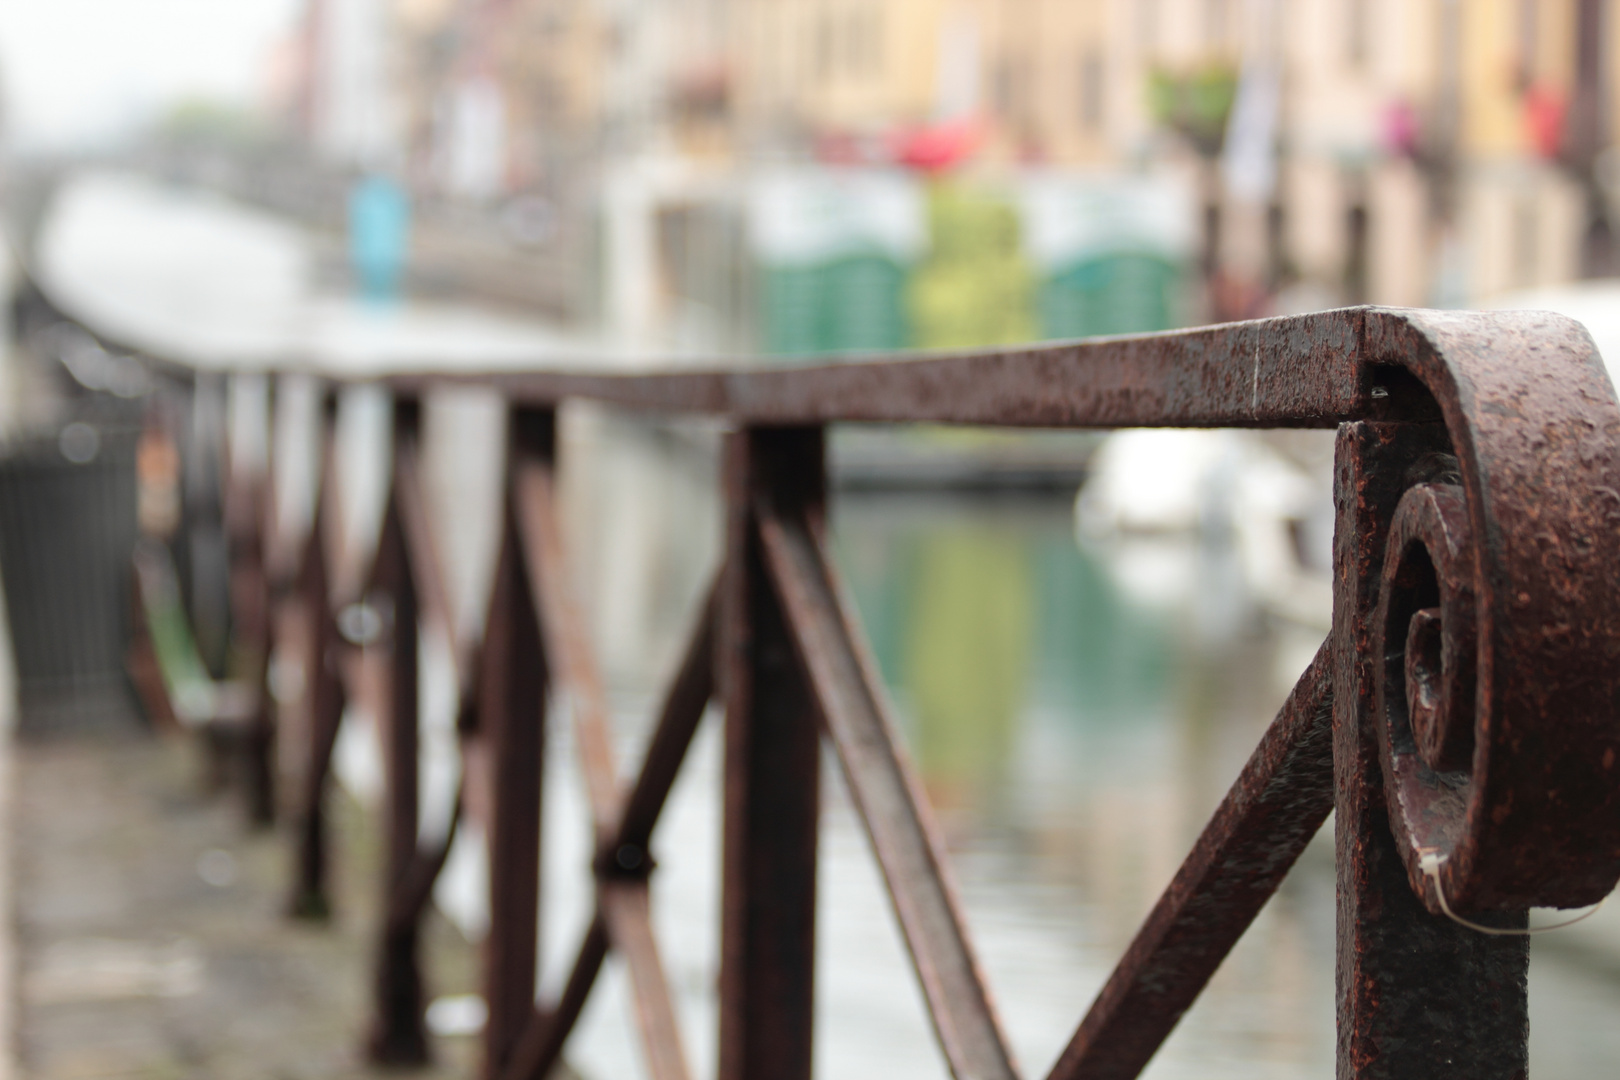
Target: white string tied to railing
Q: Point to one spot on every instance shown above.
(1430, 861)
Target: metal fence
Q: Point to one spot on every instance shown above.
(1459, 720)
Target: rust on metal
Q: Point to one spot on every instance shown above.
(547, 1029)
(426, 563)
(1470, 677)
(625, 910)
(683, 705)
(621, 894)
(1532, 422)
(541, 1043)
(772, 775)
(1296, 372)
(323, 699)
(563, 633)
(513, 681)
(1418, 994)
(849, 698)
(399, 1035)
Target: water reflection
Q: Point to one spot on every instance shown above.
(997, 630)
(1076, 708)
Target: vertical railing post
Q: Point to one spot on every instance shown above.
(400, 1034)
(768, 898)
(1418, 995)
(247, 522)
(512, 726)
(205, 583)
(323, 694)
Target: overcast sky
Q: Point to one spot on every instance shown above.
(81, 71)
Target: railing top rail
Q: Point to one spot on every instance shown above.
(1314, 370)
(1458, 720)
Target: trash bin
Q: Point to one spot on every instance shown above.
(67, 534)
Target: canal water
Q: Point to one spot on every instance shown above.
(1076, 709)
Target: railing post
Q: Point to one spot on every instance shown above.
(1418, 995)
(512, 715)
(323, 692)
(247, 524)
(768, 899)
(400, 1034)
(204, 571)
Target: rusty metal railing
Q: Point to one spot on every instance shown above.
(1460, 719)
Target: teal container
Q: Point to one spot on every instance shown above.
(1110, 294)
(790, 299)
(855, 303)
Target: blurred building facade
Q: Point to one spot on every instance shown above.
(1423, 152)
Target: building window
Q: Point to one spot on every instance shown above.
(825, 46)
(859, 55)
(1209, 260)
(874, 39)
(1358, 240)
(1004, 87)
(1215, 24)
(1278, 270)
(1092, 86)
(1526, 35)
(1524, 242)
(1356, 32)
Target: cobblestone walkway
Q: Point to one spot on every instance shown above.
(150, 938)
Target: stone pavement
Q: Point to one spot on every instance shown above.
(150, 937)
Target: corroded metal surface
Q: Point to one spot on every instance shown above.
(772, 775)
(621, 887)
(1533, 425)
(510, 753)
(1418, 995)
(1295, 372)
(848, 695)
(321, 703)
(399, 1033)
(1469, 686)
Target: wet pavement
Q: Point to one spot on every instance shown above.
(150, 937)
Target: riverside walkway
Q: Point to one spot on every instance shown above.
(151, 938)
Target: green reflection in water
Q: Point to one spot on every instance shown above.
(980, 615)
(966, 655)
(1102, 659)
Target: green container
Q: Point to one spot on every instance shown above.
(855, 303)
(1110, 294)
(975, 288)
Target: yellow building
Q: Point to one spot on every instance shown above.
(1409, 151)
(1428, 151)
(1426, 146)
(1037, 75)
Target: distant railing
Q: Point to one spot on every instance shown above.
(1459, 719)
